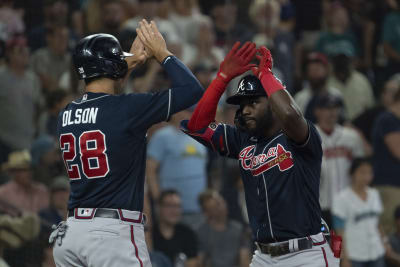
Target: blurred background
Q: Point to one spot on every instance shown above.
(340, 60)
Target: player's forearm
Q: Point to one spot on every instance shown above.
(206, 109)
(186, 89)
(285, 109)
(179, 74)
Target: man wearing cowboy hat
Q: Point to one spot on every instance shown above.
(22, 191)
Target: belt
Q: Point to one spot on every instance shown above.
(108, 213)
(286, 247)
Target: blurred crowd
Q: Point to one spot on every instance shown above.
(340, 60)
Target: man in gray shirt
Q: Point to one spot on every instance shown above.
(223, 242)
(19, 98)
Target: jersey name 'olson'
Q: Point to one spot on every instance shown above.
(87, 115)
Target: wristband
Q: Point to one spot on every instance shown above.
(270, 83)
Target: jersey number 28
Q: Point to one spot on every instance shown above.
(92, 149)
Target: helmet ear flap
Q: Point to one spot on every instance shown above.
(116, 69)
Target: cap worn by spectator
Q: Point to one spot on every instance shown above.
(317, 57)
(18, 160)
(328, 101)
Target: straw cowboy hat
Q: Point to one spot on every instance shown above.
(18, 160)
(15, 231)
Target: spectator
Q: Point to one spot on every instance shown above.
(46, 159)
(204, 73)
(354, 86)
(223, 242)
(19, 99)
(14, 233)
(59, 194)
(228, 29)
(317, 73)
(340, 145)
(175, 240)
(386, 140)
(393, 247)
(338, 37)
(391, 40)
(55, 101)
(55, 15)
(22, 191)
(11, 20)
(205, 51)
(112, 17)
(185, 18)
(356, 212)
(365, 121)
(52, 61)
(148, 10)
(175, 160)
(265, 15)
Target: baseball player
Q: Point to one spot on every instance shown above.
(279, 154)
(102, 138)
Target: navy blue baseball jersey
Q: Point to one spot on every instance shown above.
(103, 139)
(281, 179)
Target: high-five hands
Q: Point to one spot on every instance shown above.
(237, 61)
(140, 55)
(152, 40)
(265, 60)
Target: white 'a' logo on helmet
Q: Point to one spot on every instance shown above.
(241, 86)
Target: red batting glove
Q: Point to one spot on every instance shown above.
(270, 83)
(237, 61)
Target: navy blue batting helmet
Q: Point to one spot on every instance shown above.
(100, 55)
(248, 86)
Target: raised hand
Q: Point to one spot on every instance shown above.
(152, 40)
(237, 61)
(266, 62)
(140, 55)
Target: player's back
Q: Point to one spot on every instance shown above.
(103, 142)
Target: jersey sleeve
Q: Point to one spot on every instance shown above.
(313, 145)
(146, 109)
(151, 108)
(222, 138)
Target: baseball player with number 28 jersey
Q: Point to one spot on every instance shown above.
(103, 143)
(279, 154)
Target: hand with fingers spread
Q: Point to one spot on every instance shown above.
(237, 61)
(265, 64)
(140, 55)
(270, 83)
(152, 40)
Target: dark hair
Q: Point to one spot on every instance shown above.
(166, 193)
(205, 196)
(357, 162)
(55, 97)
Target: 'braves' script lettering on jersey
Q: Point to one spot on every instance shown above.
(87, 115)
(260, 163)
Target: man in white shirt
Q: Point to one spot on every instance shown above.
(340, 145)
